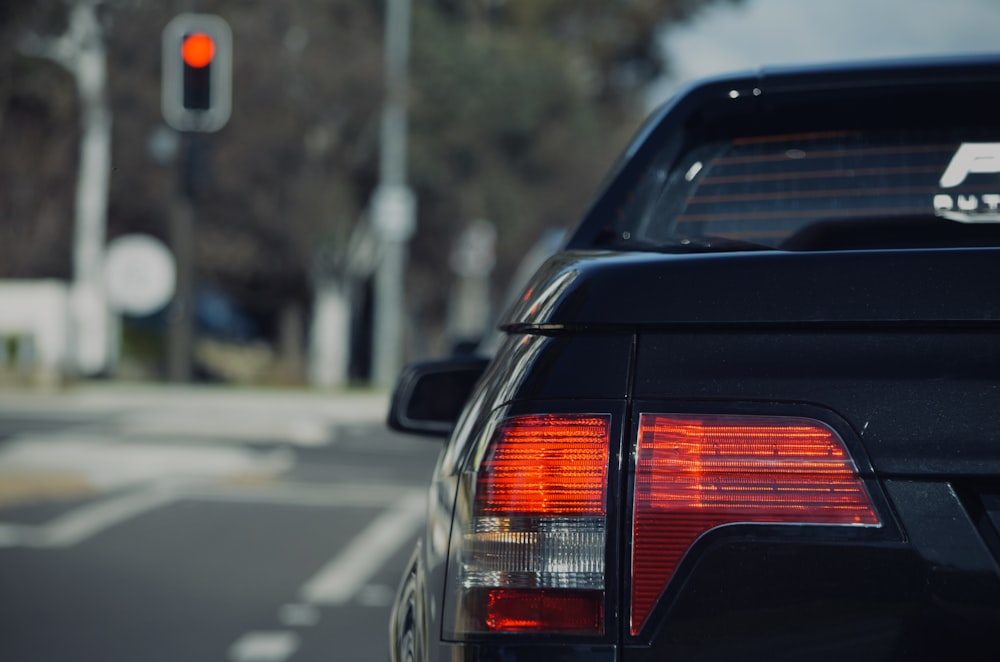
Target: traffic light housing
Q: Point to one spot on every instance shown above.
(197, 72)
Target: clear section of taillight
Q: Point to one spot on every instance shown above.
(528, 551)
(556, 552)
(695, 473)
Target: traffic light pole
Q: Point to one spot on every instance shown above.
(180, 318)
(196, 98)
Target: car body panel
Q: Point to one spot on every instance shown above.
(924, 401)
(603, 290)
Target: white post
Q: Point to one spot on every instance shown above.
(93, 320)
(328, 351)
(81, 51)
(393, 205)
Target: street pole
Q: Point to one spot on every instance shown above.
(393, 204)
(196, 98)
(180, 314)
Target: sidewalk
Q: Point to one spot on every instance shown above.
(93, 438)
(199, 402)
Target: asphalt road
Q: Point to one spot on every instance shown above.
(163, 524)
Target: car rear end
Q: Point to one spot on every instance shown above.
(845, 468)
(752, 410)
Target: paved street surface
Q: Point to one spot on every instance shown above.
(151, 523)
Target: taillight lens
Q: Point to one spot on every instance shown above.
(530, 556)
(694, 473)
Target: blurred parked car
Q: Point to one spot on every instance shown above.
(751, 410)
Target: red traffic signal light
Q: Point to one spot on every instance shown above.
(197, 66)
(198, 50)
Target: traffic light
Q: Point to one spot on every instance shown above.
(197, 72)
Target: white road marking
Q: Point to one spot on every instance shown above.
(264, 646)
(376, 595)
(110, 463)
(309, 432)
(86, 521)
(79, 524)
(303, 494)
(209, 426)
(297, 615)
(340, 580)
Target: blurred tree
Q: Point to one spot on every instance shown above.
(517, 106)
(518, 109)
(39, 134)
(612, 45)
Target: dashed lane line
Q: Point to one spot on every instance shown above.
(344, 578)
(264, 646)
(349, 572)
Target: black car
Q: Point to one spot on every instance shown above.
(751, 410)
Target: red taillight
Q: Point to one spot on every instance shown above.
(546, 465)
(539, 609)
(531, 556)
(694, 473)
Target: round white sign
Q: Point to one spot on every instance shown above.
(140, 274)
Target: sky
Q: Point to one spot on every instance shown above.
(725, 38)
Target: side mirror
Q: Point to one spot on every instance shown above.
(430, 395)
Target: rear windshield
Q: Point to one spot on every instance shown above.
(928, 181)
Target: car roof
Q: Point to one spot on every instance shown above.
(862, 73)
